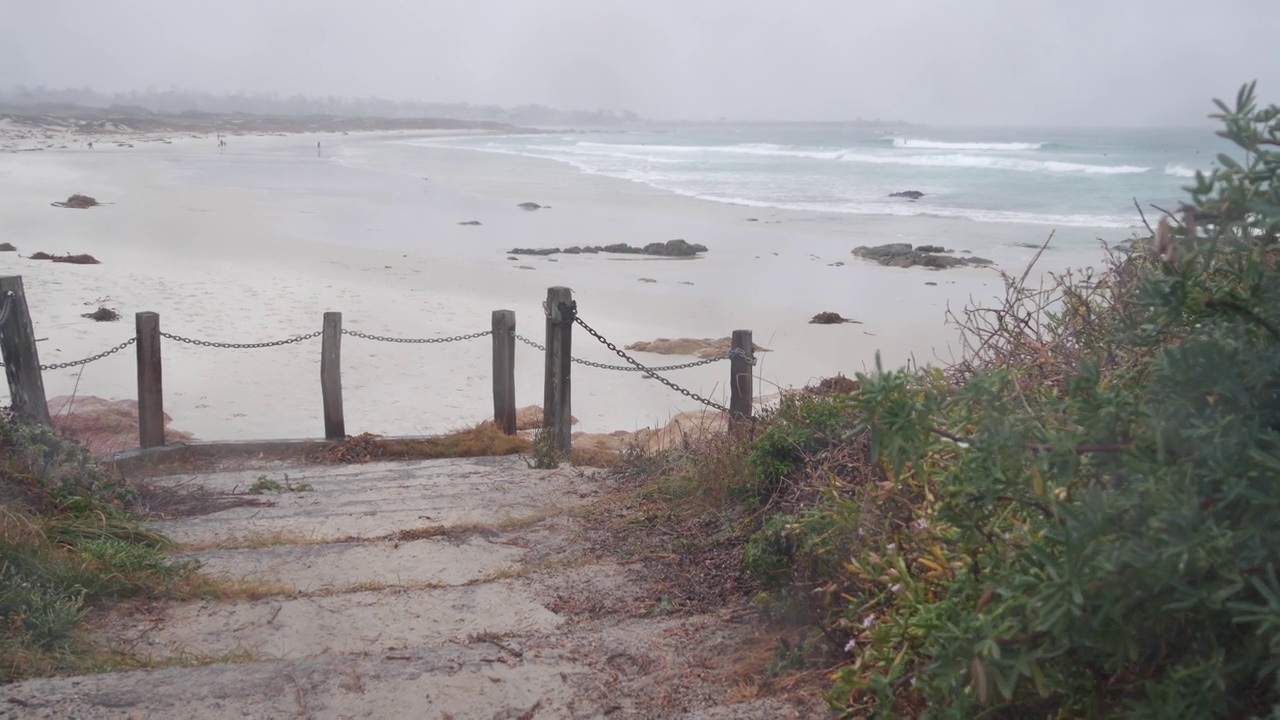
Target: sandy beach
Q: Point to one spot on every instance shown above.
(254, 242)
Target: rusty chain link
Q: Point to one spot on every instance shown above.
(85, 361)
(649, 371)
(95, 358)
(626, 368)
(242, 346)
(384, 338)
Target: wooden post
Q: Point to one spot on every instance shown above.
(18, 348)
(150, 383)
(741, 381)
(504, 371)
(556, 411)
(335, 427)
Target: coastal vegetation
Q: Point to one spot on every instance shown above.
(1079, 518)
(69, 541)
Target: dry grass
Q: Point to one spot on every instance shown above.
(1043, 332)
(254, 541)
(205, 587)
(483, 440)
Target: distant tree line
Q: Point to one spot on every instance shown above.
(172, 101)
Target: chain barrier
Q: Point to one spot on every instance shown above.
(85, 361)
(242, 346)
(384, 338)
(626, 368)
(650, 371)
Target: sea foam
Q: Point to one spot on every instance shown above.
(901, 142)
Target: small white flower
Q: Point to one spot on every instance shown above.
(868, 621)
(921, 524)
(892, 547)
(849, 646)
(897, 587)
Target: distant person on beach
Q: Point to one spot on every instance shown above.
(317, 148)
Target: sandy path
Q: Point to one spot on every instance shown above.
(441, 589)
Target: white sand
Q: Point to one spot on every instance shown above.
(256, 242)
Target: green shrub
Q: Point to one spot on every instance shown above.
(797, 428)
(66, 543)
(1105, 540)
(770, 551)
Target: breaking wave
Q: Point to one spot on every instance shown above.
(901, 142)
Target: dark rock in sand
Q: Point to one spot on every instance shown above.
(670, 248)
(674, 248)
(78, 202)
(512, 257)
(830, 318)
(533, 251)
(7, 247)
(533, 206)
(470, 222)
(909, 194)
(102, 314)
(904, 256)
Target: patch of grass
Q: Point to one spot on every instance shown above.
(67, 544)
(543, 453)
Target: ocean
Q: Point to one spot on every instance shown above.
(1067, 178)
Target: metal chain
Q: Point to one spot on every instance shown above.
(384, 338)
(86, 361)
(691, 395)
(626, 368)
(242, 346)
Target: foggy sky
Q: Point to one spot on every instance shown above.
(1042, 62)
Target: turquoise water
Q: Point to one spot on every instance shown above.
(1084, 178)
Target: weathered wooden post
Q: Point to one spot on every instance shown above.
(18, 348)
(504, 370)
(335, 426)
(741, 381)
(150, 380)
(556, 411)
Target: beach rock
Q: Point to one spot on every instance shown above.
(102, 314)
(81, 259)
(7, 247)
(698, 347)
(670, 248)
(909, 194)
(674, 248)
(470, 222)
(648, 280)
(532, 206)
(831, 318)
(904, 256)
(512, 257)
(533, 251)
(78, 202)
